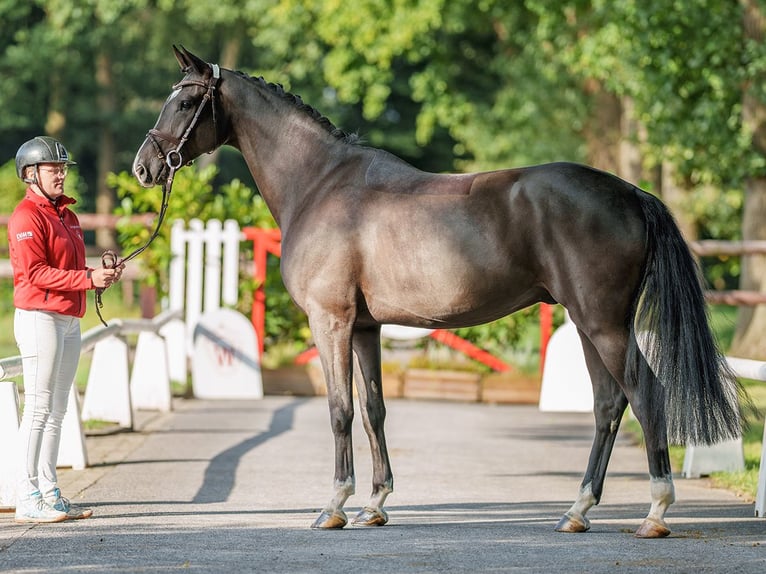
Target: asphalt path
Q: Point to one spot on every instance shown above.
(233, 486)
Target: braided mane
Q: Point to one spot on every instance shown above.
(299, 104)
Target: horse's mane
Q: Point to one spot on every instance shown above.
(298, 103)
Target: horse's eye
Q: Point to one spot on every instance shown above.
(186, 104)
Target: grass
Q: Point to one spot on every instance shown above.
(745, 483)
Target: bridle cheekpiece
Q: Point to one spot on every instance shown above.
(173, 158)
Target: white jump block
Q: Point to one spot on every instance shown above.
(725, 456)
(174, 333)
(107, 396)
(402, 333)
(566, 385)
(149, 380)
(72, 450)
(9, 429)
(225, 362)
(760, 497)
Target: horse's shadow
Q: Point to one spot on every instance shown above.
(222, 468)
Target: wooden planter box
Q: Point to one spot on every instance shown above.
(511, 388)
(446, 385)
(291, 380)
(392, 382)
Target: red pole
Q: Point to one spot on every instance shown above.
(546, 326)
(477, 354)
(259, 297)
(265, 241)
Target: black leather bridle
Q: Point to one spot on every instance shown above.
(174, 160)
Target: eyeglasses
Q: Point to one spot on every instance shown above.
(61, 170)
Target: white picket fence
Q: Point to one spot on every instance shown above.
(204, 277)
(219, 342)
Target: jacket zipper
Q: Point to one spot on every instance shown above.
(81, 297)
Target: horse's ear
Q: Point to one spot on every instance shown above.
(183, 61)
(188, 61)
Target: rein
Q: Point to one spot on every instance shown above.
(174, 161)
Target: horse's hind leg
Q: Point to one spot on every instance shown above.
(612, 351)
(660, 473)
(609, 404)
(366, 345)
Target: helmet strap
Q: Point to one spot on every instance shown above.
(36, 181)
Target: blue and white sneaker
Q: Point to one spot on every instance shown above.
(34, 509)
(62, 504)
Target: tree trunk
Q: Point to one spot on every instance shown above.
(676, 197)
(630, 166)
(55, 122)
(750, 331)
(105, 199)
(602, 131)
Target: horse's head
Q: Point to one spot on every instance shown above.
(189, 123)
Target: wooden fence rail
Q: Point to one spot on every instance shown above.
(713, 248)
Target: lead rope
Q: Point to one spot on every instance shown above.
(110, 260)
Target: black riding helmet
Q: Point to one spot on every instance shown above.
(42, 149)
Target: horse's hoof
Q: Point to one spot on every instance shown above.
(370, 517)
(570, 523)
(331, 519)
(651, 528)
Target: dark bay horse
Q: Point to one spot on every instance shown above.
(368, 239)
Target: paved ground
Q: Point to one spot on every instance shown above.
(233, 486)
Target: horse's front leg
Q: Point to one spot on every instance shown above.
(366, 345)
(333, 340)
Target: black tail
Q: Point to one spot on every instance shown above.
(688, 374)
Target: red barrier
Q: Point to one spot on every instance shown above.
(446, 338)
(469, 349)
(265, 241)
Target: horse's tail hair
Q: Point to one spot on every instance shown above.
(673, 360)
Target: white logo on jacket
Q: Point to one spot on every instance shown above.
(22, 235)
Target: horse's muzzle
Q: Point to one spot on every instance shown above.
(144, 174)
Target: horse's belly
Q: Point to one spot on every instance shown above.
(442, 300)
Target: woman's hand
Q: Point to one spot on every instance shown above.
(103, 278)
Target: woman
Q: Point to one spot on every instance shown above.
(50, 279)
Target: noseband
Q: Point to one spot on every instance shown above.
(174, 160)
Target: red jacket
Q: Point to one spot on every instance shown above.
(48, 256)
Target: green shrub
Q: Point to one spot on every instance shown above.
(194, 195)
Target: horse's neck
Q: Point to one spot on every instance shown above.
(286, 151)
